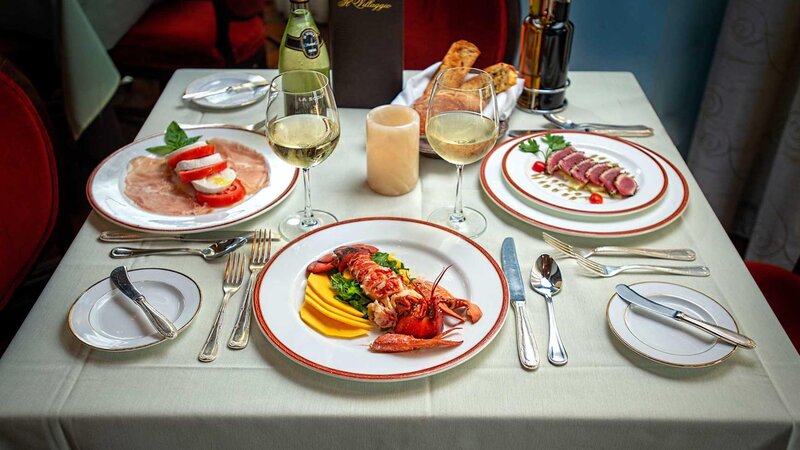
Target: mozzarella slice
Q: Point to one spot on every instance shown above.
(188, 147)
(216, 183)
(192, 164)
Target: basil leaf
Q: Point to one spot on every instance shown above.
(191, 140)
(174, 135)
(161, 150)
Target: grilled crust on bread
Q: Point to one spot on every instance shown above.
(504, 76)
(461, 54)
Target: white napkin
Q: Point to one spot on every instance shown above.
(415, 86)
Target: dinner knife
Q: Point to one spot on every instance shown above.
(526, 344)
(226, 90)
(208, 236)
(732, 337)
(632, 132)
(119, 277)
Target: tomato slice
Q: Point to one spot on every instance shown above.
(234, 194)
(192, 153)
(196, 174)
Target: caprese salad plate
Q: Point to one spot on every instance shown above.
(584, 174)
(425, 249)
(659, 215)
(211, 178)
(226, 100)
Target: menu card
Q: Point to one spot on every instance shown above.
(366, 51)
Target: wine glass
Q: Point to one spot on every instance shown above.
(303, 130)
(461, 127)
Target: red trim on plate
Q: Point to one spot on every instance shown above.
(385, 377)
(520, 190)
(634, 232)
(97, 208)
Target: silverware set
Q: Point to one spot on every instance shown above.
(581, 256)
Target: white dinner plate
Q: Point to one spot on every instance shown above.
(551, 193)
(659, 215)
(105, 319)
(423, 247)
(666, 340)
(224, 100)
(106, 187)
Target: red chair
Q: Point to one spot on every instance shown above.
(431, 26)
(29, 183)
(193, 33)
(782, 290)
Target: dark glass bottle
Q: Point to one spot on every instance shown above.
(530, 51)
(555, 52)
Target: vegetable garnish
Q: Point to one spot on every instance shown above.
(554, 142)
(349, 292)
(174, 139)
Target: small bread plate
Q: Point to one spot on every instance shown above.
(106, 187)
(425, 249)
(226, 100)
(105, 319)
(554, 194)
(659, 215)
(665, 340)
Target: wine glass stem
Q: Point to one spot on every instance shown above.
(458, 209)
(309, 220)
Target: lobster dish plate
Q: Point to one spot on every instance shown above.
(107, 186)
(551, 193)
(425, 248)
(659, 215)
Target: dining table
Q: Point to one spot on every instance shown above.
(56, 392)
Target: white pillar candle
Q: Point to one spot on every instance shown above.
(392, 149)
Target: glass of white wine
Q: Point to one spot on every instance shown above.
(303, 130)
(462, 127)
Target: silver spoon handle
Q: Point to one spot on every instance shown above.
(211, 347)
(623, 132)
(722, 333)
(681, 254)
(127, 252)
(693, 271)
(240, 336)
(526, 345)
(162, 324)
(556, 353)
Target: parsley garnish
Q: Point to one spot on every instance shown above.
(349, 292)
(554, 143)
(174, 139)
(382, 259)
(530, 146)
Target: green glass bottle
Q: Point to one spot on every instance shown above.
(301, 45)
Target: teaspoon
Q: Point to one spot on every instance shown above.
(546, 281)
(213, 251)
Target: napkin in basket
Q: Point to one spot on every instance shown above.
(415, 86)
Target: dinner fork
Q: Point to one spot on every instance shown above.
(260, 251)
(609, 271)
(232, 281)
(258, 126)
(683, 254)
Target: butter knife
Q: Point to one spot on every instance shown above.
(621, 132)
(526, 344)
(226, 90)
(208, 236)
(729, 336)
(119, 277)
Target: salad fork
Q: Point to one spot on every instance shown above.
(609, 271)
(258, 126)
(260, 251)
(232, 281)
(683, 254)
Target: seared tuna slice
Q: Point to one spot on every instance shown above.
(579, 171)
(607, 179)
(556, 157)
(571, 161)
(594, 172)
(625, 185)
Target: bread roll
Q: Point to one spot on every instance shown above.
(461, 54)
(447, 101)
(504, 76)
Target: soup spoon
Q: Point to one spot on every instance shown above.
(213, 251)
(546, 281)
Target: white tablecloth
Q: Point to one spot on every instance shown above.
(54, 392)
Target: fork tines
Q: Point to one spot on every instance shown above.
(590, 265)
(261, 247)
(560, 245)
(232, 275)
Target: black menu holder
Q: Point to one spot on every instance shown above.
(366, 45)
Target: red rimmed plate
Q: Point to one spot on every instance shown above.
(658, 216)
(106, 187)
(425, 248)
(554, 194)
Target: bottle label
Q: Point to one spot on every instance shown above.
(309, 42)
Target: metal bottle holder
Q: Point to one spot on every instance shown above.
(538, 91)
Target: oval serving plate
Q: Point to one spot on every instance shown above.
(106, 187)
(423, 247)
(551, 193)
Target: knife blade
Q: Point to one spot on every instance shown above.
(228, 89)
(731, 337)
(516, 133)
(119, 277)
(526, 344)
(606, 131)
(208, 236)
